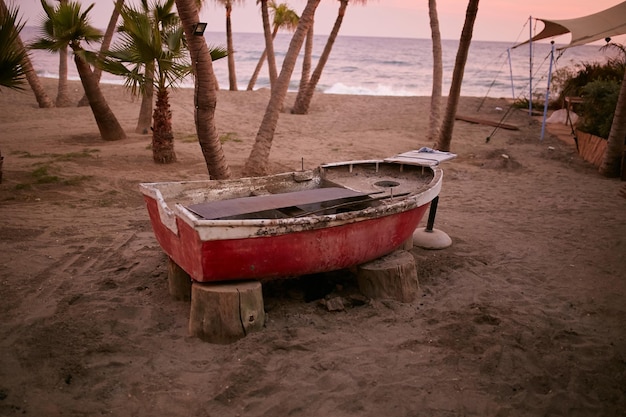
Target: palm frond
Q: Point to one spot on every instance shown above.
(65, 25)
(217, 52)
(12, 56)
(149, 35)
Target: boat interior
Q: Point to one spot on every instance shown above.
(341, 188)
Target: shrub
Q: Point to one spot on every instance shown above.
(598, 84)
(598, 107)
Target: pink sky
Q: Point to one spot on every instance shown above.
(498, 20)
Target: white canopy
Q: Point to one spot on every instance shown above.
(586, 29)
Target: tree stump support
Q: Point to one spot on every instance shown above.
(179, 282)
(392, 276)
(224, 313)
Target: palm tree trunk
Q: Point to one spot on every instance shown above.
(108, 125)
(304, 97)
(145, 112)
(257, 70)
(611, 163)
(232, 75)
(162, 136)
(63, 97)
(447, 126)
(435, 98)
(205, 96)
(31, 76)
(106, 43)
(269, 43)
(258, 161)
(43, 100)
(259, 65)
(306, 60)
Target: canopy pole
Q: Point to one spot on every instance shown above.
(508, 51)
(545, 105)
(530, 67)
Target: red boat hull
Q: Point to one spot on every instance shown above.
(284, 255)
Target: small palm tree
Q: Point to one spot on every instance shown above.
(284, 18)
(258, 161)
(305, 95)
(12, 72)
(232, 76)
(150, 52)
(63, 87)
(16, 45)
(67, 25)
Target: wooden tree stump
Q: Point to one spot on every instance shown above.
(392, 276)
(408, 244)
(224, 313)
(179, 282)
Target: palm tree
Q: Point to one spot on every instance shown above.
(12, 73)
(257, 163)
(151, 43)
(205, 96)
(611, 161)
(161, 15)
(613, 155)
(435, 98)
(269, 43)
(284, 18)
(106, 42)
(304, 96)
(63, 93)
(31, 76)
(306, 60)
(232, 76)
(67, 25)
(445, 135)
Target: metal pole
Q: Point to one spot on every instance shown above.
(431, 214)
(508, 51)
(530, 83)
(545, 105)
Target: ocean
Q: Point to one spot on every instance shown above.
(382, 66)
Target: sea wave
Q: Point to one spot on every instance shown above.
(379, 90)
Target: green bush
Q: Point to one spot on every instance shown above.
(571, 83)
(598, 84)
(598, 107)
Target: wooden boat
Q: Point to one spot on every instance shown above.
(296, 223)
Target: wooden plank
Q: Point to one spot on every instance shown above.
(246, 205)
(486, 122)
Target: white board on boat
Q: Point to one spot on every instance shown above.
(423, 156)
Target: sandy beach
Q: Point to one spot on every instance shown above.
(524, 315)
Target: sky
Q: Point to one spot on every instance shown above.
(497, 20)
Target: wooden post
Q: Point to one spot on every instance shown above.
(408, 244)
(392, 276)
(179, 282)
(224, 313)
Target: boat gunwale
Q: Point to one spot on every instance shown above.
(285, 225)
